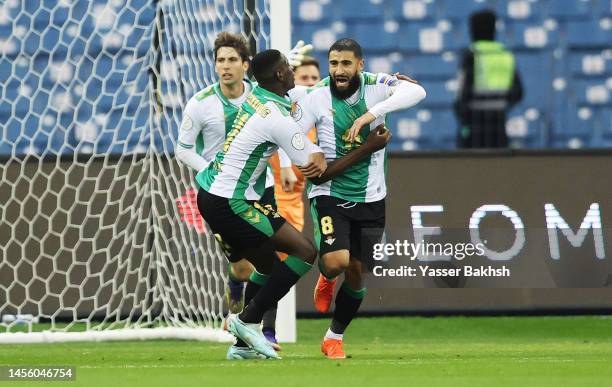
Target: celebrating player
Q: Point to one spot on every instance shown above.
(207, 119)
(289, 183)
(349, 211)
(234, 181)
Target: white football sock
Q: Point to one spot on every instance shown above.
(332, 335)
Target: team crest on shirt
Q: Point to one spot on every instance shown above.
(298, 141)
(187, 123)
(296, 111)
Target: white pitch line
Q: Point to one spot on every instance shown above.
(260, 363)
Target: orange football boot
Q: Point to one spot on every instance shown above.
(332, 349)
(324, 293)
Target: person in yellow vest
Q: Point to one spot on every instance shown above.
(289, 183)
(489, 86)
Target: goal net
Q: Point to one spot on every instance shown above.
(100, 237)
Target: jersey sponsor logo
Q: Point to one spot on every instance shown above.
(296, 112)
(187, 124)
(330, 241)
(298, 141)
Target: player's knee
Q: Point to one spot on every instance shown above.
(242, 270)
(309, 252)
(335, 263)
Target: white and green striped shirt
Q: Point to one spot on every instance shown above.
(207, 119)
(379, 94)
(262, 125)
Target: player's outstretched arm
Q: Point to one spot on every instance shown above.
(401, 95)
(376, 140)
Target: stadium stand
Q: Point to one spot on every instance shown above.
(562, 47)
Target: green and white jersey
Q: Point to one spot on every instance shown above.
(379, 94)
(263, 124)
(207, 119)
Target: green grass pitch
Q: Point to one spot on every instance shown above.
(387, 351)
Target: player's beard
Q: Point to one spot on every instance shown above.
(353, 86)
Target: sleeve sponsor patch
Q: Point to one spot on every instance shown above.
(389, 80)
(297, 141)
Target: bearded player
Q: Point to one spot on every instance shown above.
(232, 184)
(349, 210)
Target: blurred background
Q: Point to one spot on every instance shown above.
(563, 51)
(74, 73)
(91, 99)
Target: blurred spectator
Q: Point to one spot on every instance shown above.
(308, 73)
(489, 86)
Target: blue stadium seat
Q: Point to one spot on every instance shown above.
(462, 9)
(423, 128)
(165, 144)
(79, 9)
(606, 121)
(411, 9)
(441, 126)
(373, 36)
(460, 34)
(535, 143)
(534, 125)
(6, 30)
(568, 9)
(590, 63)
(523, 35)
(588, 34)
(519, 10)
(12, 126)
(534, 69)
(424, 37)
(438, 95)
(603, 8)
(312, 11)
(430, 66)
(307, 31)
(591, 92)
(359, 10)
(10, 87)
(59, 16)
(41, 18)
(582, 123)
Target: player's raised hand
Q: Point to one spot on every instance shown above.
(403, 77)
(297, 53)
(378, 138)
(359, 123)
(288, 179)
(316, 165)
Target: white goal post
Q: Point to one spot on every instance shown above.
(100, 238)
